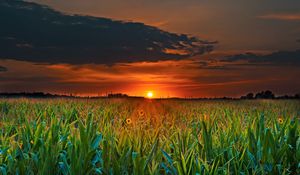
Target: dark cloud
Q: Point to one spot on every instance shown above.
(213, 65)
(280, 58)
(283, 17)
(36, 33)
(3, 69)
(32, 78)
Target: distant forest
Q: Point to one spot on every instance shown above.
(251, 96)
(268, 95)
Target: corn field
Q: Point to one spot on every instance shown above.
(142, 136)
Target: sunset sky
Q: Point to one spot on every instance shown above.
(183, 48)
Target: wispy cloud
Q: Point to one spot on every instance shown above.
(3, 69)
(179, 78)
(283, 17)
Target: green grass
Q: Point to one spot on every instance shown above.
(122, 136)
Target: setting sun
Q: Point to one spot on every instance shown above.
(150, 94)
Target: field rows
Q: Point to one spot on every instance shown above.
(135, 136)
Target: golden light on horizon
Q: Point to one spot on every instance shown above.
(149, 94)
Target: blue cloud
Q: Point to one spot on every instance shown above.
(37, 33)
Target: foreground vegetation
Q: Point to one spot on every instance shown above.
(123, 136)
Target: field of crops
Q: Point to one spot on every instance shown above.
(137, 136)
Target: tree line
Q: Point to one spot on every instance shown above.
(269, 95)
(259, 95)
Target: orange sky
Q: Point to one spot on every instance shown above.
(257, 47)
(165, 78)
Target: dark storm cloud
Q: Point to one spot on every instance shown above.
(280, 58)
(3, 69)
(36, 33)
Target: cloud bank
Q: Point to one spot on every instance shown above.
(36, 33)
(3, 69)
(284, 17)
(279, 58)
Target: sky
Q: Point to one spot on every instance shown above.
(182, 48)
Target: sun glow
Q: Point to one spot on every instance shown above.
(150, 94)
